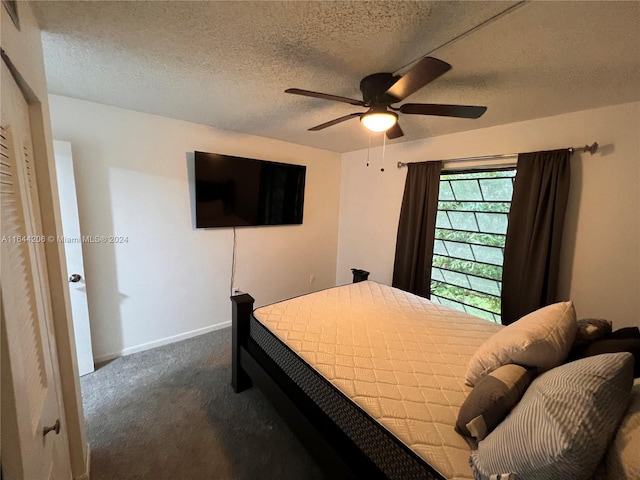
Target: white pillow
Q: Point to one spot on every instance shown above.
(622, 458)
(541, 339)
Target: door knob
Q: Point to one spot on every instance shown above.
(75, 278)
(54, 428)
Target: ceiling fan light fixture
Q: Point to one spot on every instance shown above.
(379, 121)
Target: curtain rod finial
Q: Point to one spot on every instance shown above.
(593, 148)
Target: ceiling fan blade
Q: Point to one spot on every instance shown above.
(395, 132)
(324, 96)
(335, 121)
(462, 111)
(423, 72)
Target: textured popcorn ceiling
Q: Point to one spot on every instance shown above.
(227, 64)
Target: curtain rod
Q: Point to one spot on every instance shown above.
(593, 148)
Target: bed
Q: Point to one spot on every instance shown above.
(370, 378)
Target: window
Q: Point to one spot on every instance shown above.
(471, 228)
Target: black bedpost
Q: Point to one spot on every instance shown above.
(359, 275)
(242, 306)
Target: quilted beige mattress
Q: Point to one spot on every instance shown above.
(398, 356)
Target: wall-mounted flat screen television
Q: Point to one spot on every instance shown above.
(236, 192)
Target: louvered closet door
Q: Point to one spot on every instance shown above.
(31, 405)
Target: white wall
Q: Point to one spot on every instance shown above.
(170, 281)
(600, 268)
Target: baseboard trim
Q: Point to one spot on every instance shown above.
(158, 343)
(87, 466)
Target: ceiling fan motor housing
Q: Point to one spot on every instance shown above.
(373, 88)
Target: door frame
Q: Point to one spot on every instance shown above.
(70, 395)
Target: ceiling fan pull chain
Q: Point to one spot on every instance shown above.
(384, 146)
(369, 150)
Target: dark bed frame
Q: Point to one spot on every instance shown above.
(333, 450)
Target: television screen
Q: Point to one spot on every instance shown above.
(235, 191)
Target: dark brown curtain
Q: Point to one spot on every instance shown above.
(417, 227)
(534, 233)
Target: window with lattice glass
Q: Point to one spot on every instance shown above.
(471, 228)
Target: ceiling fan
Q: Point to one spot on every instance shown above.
(381, 90)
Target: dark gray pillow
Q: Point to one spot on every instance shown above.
(491, 400)
(563, 424)
(625, 332)
(590, 330)
(614, 345)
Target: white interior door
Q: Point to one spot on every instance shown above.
(34, 437)
(73, 251)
